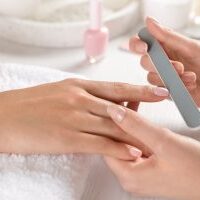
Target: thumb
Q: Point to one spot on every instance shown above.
(167, 37)
(131, 123)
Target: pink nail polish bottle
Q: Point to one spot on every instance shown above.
(97, 36)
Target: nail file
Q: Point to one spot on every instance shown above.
(171, 80)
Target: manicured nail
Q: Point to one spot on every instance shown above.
(117, 113)
(188, 77)
(142, 48)
(153, 20)
(134, 151)
(155, 23)
(161, 92)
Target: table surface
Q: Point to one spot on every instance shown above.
(117, 66)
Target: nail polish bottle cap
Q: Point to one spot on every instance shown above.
(95, 14)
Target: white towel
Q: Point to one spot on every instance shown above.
(67, 177)
(39, 177)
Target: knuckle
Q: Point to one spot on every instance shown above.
(74, 81)
(80, 97)
(57, 86)
(76, 97)
(147, 90)
(119, 88)
(70, 84)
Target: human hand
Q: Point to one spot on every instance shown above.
(68, 117)
(183, 53)
(171, 171)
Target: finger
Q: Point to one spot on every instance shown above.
(133, 105)
(107, 128)
(135, 125)
(123, 169)
(133, 175)
(188, 78)
(122, 92)
(103, 127)
(191, 87)
(147, 64)
(155, 79)
(93, 144)
(97, 106)
(168, 37)
(138, 46)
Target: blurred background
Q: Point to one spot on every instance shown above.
(33, 30)
(62, 23)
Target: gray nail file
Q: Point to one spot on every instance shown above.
(172, 81)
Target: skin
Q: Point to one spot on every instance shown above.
(172, 170)
(69, 117)
(182, 51)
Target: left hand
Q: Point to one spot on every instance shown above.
(70, 116)
(172, 170)
(183, 53)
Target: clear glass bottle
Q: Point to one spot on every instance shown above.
(97, 36)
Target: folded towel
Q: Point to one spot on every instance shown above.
(39, 177)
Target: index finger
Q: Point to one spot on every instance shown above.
(138, 46)
(123, 92)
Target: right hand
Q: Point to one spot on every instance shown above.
(69, 117)
(183, 52)
(172, 171)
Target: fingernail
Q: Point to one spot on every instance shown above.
(155, 23)
(153, 20)
(161, 92)
(117, 113)
(134, 151)
(142, 48)
(188, 77)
